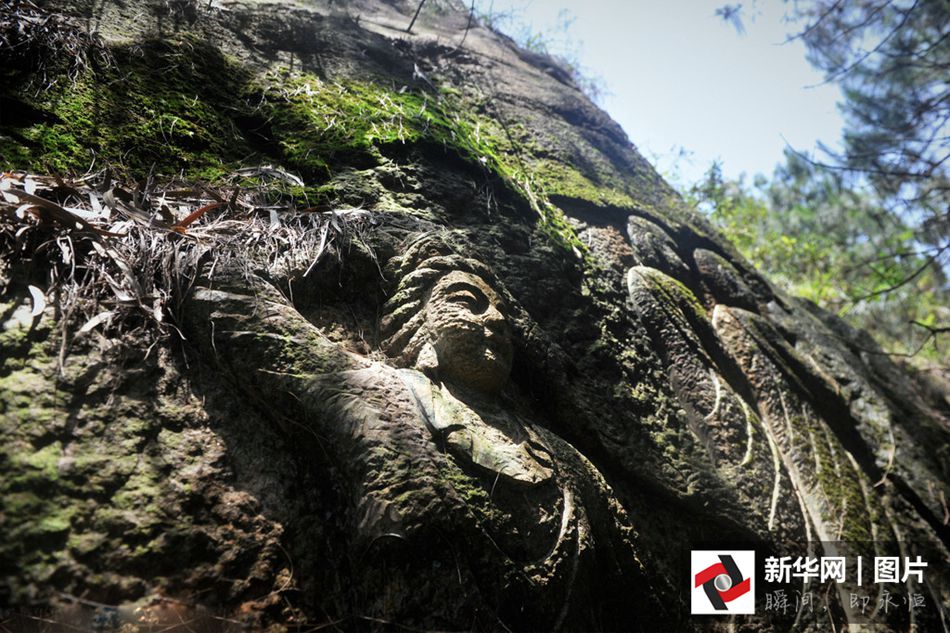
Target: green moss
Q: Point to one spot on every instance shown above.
(134, 428)
(139, 490)
(171, 105)
(840, 484)
(21, 504)
(32, 519)
(84, 543)
(560, 179)
(675, 293)
(23, 346)
(320, 124)
(13, 154)
(43, 460)
(317, 123)
(56, 524)
(471, 492)
(181, 106)
(24, 395)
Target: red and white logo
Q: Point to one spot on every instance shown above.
(722, 582)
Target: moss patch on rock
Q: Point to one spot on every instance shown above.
(168, 106)
(182, 106)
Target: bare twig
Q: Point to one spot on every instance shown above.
(414, 17)
(468, 25)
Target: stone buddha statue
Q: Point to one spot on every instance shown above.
(450, 326)
(433, 451)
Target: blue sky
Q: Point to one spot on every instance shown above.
(678, 76)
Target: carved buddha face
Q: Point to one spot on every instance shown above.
(468, 332)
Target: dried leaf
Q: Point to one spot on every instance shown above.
(61, 215)
(323, 241)
(66, 248)
(97, 320)
(157, 312)
(166, 213)
(114, 200)
(64, 187)
(267, 170)
(104, 250)
(211, 192)
(96, 205)
(6, 185)
(180, 226)
(39, 301)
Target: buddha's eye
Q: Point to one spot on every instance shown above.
(466, 299)
(466, 295)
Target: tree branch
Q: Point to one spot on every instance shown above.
(414, 17)
(906, 280)
(844, 71)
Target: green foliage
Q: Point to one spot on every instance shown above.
(819, 238)
(891, 60)
(866, 234)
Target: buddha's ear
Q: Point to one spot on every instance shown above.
(427, 361)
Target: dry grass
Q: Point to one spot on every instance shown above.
(115, 260)
(50, 46)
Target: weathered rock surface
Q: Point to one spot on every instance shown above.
(478, 368)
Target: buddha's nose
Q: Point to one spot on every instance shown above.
(495, 320)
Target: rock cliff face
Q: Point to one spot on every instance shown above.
(354, 327)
